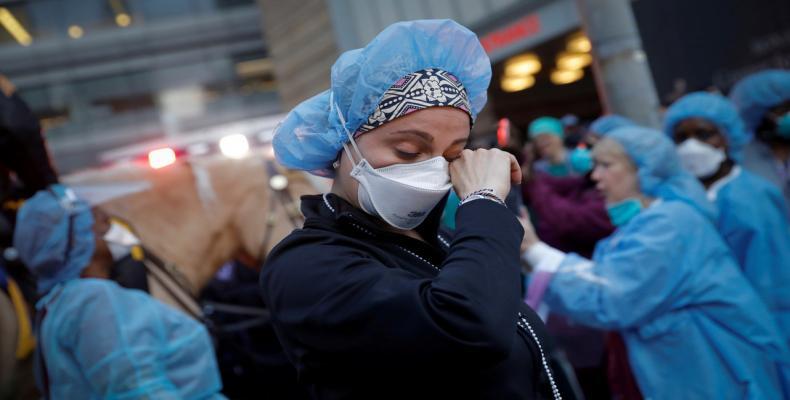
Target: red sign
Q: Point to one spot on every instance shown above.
(523, 28)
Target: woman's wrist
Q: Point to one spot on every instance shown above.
(485, 193)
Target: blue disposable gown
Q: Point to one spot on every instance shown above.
(753, 220)
(693, 326)
(101, 341)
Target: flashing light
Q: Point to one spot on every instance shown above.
(234, 146)
(161, 158)
(503, 132)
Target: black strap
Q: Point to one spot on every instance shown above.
(285, 198)
(152, 262)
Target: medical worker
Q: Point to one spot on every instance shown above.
(97, 340)
(763, 100)
(548, 133)
(753, 217)
(369, 300)
(693, 326)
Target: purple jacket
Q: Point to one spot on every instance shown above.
(569, 213)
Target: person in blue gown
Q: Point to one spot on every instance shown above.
(693, 326)
(97, 340)
(753, 217)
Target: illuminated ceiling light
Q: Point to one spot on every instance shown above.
(568, 60)
(517, 83)
(566, 76)
(123, 20)
(579, 43)
(161, 158)
(525, 64)
(12, 25)
(234, 146)
(75, 32)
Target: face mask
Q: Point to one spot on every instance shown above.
(120, 241)
(622, 212)
(701, 159)
(400, 194)
(783, 125)
(581, 160)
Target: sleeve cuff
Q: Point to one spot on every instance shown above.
(543, 257)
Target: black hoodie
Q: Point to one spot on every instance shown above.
(365, 313)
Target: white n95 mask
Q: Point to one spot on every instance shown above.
(701, 159)
(400, 194)
(120, 240)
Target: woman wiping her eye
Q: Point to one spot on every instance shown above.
(367, 299)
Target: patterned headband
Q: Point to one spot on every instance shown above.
(418, 90)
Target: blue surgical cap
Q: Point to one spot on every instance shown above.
(54, 236)
(312, 134)
(546, 125)
(660, 173)
(758, 93)
(714, 108)
(607, 123)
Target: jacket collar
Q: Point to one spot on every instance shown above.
(330, 207)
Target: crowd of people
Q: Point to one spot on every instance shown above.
(631, 263)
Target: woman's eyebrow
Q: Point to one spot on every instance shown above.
(424, 135)
(415, 132)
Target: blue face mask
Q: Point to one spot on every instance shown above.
(581, 160)
(783, 125)
(622, 212)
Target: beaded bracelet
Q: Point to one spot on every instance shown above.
(482, 194)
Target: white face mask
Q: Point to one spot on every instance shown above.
(400, 194)
(701, 159)
(120, 240)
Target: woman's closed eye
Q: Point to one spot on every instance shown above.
(407, 154)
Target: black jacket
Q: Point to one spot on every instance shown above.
(364, 313)
(22, 147)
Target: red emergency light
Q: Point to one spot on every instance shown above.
(161, 158)
(503, 132)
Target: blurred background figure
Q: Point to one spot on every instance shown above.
(753, 216)
(95, 338)
(25, 168)
(548, 134)
(763, 100)
(665, 280)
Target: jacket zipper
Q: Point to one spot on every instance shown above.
(522, 322)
